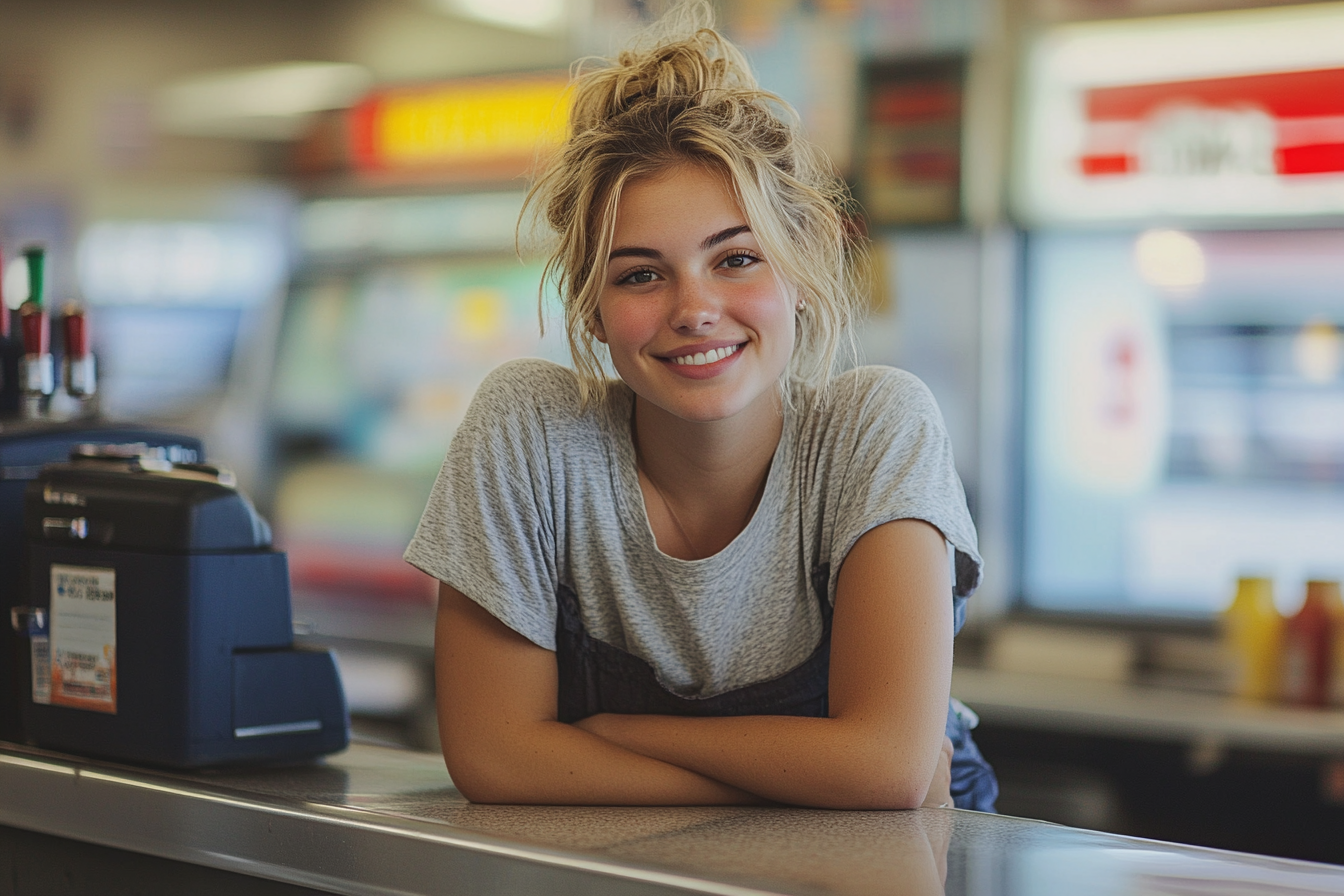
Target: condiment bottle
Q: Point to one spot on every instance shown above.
(1330, 593)
(37, 375)
(80, 379)
(4, 319)
(1251, 629)
(1308, 647)
(4, 309)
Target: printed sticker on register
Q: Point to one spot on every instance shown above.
(83, 632)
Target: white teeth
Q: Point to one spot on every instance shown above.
(709, 357)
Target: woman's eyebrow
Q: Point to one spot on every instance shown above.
(727, 234)
(634, 251)
(709, 242)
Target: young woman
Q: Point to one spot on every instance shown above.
(728, 576)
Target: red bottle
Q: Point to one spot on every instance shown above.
(4, 309)
(1308, 648)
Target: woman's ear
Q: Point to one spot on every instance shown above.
(597, 329)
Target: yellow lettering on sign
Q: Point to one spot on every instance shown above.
(463, 124)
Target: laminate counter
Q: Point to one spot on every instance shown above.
(374, 820)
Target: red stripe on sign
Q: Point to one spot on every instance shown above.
(1096, 166)
(1313, 158)
(363, 124)
(1283, 94)
(909, 103)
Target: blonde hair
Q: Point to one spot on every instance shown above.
(684, 94)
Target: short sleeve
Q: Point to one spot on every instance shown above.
(488, 529)
(897, 464)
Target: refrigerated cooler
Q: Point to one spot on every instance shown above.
(1182, 183)
(1180, 434)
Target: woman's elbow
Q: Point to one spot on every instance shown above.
(480, 774)
(879, 784)
(479, 782)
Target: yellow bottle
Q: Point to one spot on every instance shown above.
(1252, 631)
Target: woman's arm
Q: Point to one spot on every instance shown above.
(891, 670)
(496, 695)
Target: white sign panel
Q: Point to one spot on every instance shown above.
(1200, 118)
(83, 645)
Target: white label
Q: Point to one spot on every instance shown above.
(41, 652)
(84, 637)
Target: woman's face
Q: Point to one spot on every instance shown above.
(695, 319)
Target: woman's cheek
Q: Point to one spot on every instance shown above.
(629, 327)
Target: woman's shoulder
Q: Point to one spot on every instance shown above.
(873, 392)
(535, 399)
(530, 380)
(527, 388)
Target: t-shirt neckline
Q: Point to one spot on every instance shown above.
(630, 497)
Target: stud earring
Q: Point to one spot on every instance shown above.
(802, 306)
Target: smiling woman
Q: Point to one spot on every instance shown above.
(723, 577)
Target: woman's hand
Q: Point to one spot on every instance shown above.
(940, 790)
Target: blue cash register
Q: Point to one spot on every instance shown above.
(158, 620)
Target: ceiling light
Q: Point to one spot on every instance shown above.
(524, 15)
(268, 103)
(1170, 259)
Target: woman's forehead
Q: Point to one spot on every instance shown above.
(685, 193)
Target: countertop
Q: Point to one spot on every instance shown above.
(374, 820)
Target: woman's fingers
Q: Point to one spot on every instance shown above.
(940, 789)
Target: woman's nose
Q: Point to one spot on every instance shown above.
(694, 307)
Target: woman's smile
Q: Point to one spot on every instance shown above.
(696, 320)
(700, 362)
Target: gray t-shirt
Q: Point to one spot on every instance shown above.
(537, 492)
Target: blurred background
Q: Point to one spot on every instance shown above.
(1110, 237)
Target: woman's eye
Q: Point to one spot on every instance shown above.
(637, 277)
(740, 260)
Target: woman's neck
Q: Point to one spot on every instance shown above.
(702, 480)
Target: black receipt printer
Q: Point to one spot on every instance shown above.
(159, 621)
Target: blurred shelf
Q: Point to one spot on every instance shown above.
(396, 624)
(1136, 712)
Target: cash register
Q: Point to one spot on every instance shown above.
(159, 621)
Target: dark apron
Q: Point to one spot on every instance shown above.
(596, 677)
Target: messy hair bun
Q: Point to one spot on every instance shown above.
(681, 57)
(683, 93)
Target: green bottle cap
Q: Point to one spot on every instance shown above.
(37, 264)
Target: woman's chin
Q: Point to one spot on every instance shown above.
(712, 408)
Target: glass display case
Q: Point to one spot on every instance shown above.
(1184, 417)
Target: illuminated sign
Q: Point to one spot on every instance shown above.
(485, 128)
(1202, 118)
